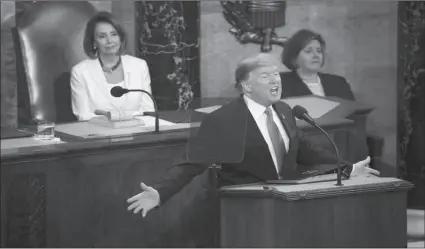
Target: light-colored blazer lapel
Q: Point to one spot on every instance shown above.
(100, 82)
(127, 69)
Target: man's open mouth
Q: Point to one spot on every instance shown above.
(275, 90)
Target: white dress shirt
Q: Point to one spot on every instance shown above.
(119, 103)
(315, 87)
(259, 116)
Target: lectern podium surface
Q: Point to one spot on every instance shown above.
(364, 212)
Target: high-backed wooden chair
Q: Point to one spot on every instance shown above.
(48, 42)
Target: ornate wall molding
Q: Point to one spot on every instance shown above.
(255, 21)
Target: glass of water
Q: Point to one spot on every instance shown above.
(45, 130)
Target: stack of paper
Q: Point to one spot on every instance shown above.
(88, 130)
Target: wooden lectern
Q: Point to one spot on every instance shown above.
(364, 212)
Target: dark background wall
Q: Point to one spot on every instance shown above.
(411, 101)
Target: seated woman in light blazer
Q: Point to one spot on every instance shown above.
(108, 66)
(304, 56)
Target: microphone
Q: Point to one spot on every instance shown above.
(118, 91)
(301, 113)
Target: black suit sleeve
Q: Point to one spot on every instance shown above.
(180, 174)
(311, 153)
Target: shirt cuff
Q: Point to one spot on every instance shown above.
(347, 170)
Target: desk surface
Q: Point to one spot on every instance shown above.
(75, 146)
(354, 185)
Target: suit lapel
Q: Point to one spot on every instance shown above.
(258, 145)
(232, 146)
(254, 136)
(283, 114)
(245, 126)
(326, 87)
(253, 133)
(127, 71)
(302, 88)
(99, 80)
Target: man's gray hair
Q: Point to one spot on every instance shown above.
(247, 65)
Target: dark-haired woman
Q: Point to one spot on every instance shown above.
(108, 66)
(304, 56)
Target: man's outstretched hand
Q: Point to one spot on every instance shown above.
(145, 201)
(362, 168)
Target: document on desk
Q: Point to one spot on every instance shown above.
(315, 106)
(284, 188)
(208, 109)
(27, 142)
(86, 130)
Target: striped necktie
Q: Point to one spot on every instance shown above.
(276, 138)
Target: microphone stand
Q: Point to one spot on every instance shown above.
(338, 181)
(155, 106)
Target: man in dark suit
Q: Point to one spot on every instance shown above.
(254, 138)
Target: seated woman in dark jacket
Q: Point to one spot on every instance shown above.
(304, 56)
